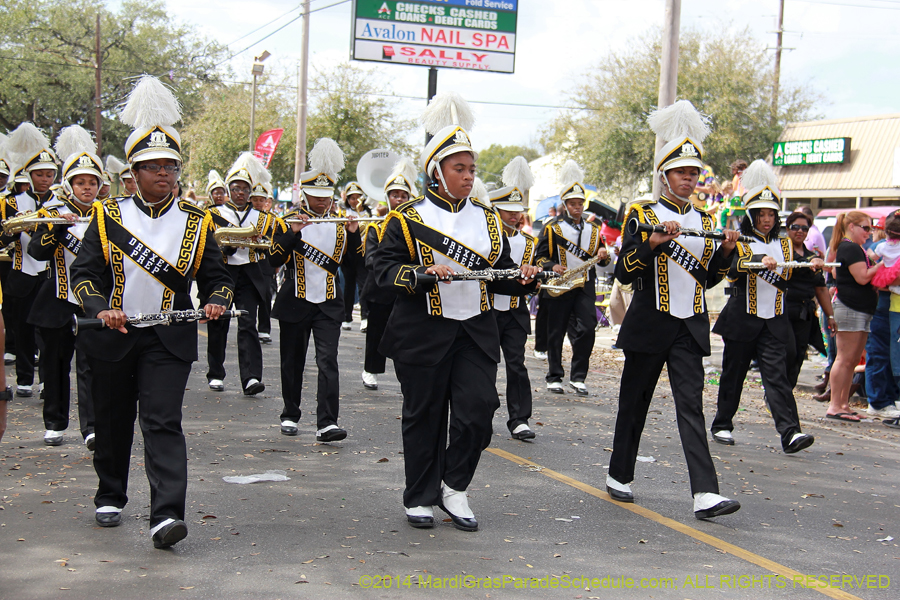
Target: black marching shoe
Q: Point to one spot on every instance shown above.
(619, 495)
(108, 519)
(799, 441)
(288, 428)
(420, 517)
(332, 433)
(522, 432)
(254, 386)
(724, 437)
(459, 501)
(708, 505)
(170, 534)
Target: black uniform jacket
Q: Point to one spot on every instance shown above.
(413, 335)
(91, 267)
(646, 328)
(288, 307)
(371, 291)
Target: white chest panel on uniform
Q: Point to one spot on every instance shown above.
(135, 290)
(762, 298)
(466, 230)
(678, 292)
(22, 261)
(65, 254)
(322, 246)
(251, 216)
(587, 238)
(521, 250)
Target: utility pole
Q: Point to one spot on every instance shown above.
(668, 73)
(300, 153)
(98, 104)
(778, 48)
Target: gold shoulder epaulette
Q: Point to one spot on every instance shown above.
(190, 207)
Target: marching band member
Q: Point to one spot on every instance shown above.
(29, 148)
(513, 318)
(567, 243)
(249, 282)
(309, 302)
(123, 171)
(140, 255)
(216, 189)
(667, 323)
(55, 304)
(261, 199)
(754, 322)
(443, 337)
(399, 188)
(354, 265)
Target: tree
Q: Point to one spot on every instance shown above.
(346, 106)
(728, 77)
(47, 61)
(492, 159)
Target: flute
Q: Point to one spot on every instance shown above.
(789, 265)
(333, 220)
(483, 275)
(169, 317)
(634, 226)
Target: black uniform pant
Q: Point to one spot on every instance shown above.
(250, 363)
(10, 348)
(24, 332)
(518, 386)
(684, 363)
(56, 361)
(465, 381)
(541, 326)
(265, 307)
(579, 304)
(774, 358)
(294, 341)
(802, 330)
(378, 318)
(147, 382)
(355, 274)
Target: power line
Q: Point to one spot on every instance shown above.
(267, 36)
(278, 18)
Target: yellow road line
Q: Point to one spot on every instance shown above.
(203, 333)
(713, 541)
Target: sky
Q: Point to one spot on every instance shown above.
(845, 49)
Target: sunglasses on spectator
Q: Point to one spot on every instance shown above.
(799, 227)
(865, 228)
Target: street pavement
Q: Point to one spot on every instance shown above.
(819, 523)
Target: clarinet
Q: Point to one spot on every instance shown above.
(483, 275)
(634, 226)
(169, 317)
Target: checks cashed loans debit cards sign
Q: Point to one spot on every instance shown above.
(478, 35)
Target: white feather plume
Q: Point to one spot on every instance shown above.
(214, 176)
(3, 139)
(327, 157)
(249, 161)
(480, 191)
(677, 120)
(570, 174)
(759, 174)
(26, 141)
(446, 109)
(114, 165)
(518, 174)
(406, 167)
(74, 139)
(151, 103)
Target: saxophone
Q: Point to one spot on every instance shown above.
(240, 237)
(571, 279)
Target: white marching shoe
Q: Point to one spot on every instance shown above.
(346, 325)
(370, 380)
(363, 325)
(53, 438)
(708, 505)
(456, 504)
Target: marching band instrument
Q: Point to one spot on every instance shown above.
(6, 254)
(789, 265)
(571, 279)
(634, 226)
(290, 221)
(483, 275)
(169, 317)
(372, 173)
(31, 220)
(241, 237)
